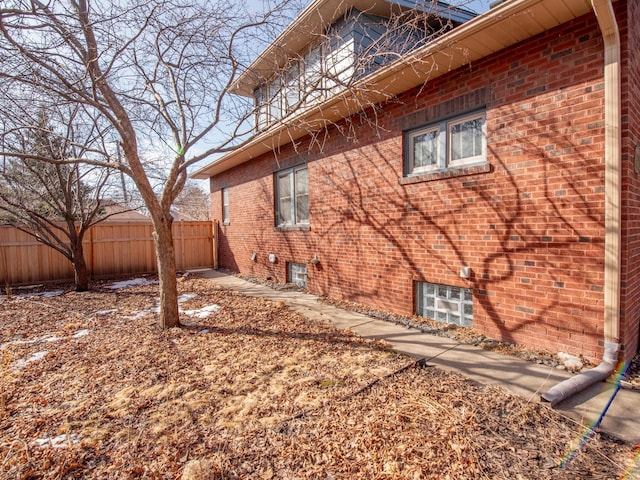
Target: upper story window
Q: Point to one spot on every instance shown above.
(262, 107)
(339, 63)
(301, 83)
(275, 100)
(291, 89)
(312, 75)
(292, 197)
(456, 142)
(352, 47)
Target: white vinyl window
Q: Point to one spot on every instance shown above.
(339, 62)
(291, 89)
(225, 206)
(467, 142)
(275, 100)
(312, 77)
(425, 150)
(454, 143)
(261, 108)
(292, 197)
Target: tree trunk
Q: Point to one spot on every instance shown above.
(80, 273)
(167, 275)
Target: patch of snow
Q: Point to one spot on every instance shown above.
(136, 282)
(569, 361)
(142, 313)
(49, 339)
(186, 296)
(136, 315)
(33, 358)
(53, 293)
(206, 330)
(203, 312)
(105, 312)
(46, 338)
(20, 342)
(56, 442)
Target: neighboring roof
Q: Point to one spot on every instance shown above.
(180, 216)
(118, 213)
(490, 32)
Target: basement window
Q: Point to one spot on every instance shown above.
(297, 273)
(445, 303)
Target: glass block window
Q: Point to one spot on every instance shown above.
(445, 303)
(298, 274)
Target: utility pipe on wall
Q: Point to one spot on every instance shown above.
(612, 224)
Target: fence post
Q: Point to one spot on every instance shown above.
(182, 256)
(92, 261)
(214, 242)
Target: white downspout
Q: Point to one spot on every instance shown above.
(612, 240)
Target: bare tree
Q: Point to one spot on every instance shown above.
(53, 201)
(193, 202)
(157, 75)
(154, 75)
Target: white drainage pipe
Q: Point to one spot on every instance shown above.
(612, 241)
(573, 385)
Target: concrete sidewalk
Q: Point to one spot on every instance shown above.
(517, 376)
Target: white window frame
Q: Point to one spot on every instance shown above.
(411, 138)
(225, 206)
(444, 129)
(276, 103)
(338, 64)
(293, 197)
(482, 157)
(312, 75)
(292, 89)
(262, 107)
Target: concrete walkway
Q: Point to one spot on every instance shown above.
(517, 376)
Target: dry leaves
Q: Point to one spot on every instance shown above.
(91, 388)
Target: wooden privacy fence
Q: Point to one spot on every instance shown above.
(110, 249)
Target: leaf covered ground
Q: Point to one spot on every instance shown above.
(91, 388)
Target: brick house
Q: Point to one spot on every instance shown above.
(483, 173)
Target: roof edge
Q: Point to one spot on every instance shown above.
(439, 53)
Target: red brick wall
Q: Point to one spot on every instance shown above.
(531, 228)
(630, 301)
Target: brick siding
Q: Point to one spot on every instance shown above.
(529, 224)
(630, 301)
